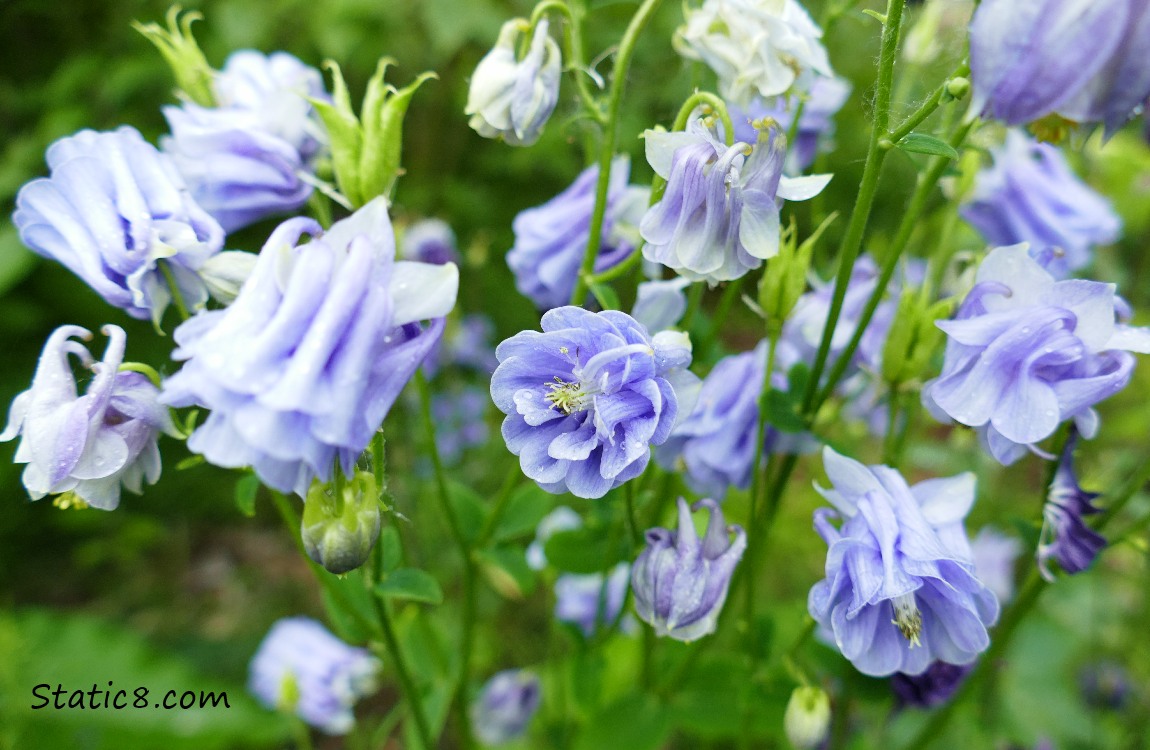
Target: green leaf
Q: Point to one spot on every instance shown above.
(605, 295)
(349, 604)
(507, 571)
(390, 547)
(469, 508)
(783, 411)
(921, 143)
(525, 509)
(585, 550)
(636, 722)
(246, 488)
(410, 584)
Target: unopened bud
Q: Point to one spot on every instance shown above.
(808, 717)
(339, 532)
(178, 46)
(958, 88)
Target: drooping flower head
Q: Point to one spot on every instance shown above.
(680, 582)
(900, 590)
(88, 445)
(511, 98)
(816, 121)
(1084, 60)
(1065, 535)
(302, 668)
(719, 217)
(591, 600)
(302, 368)
(587, 398)
(250, 156)
(932, 688)
(1030, 195)
(506, 706)
(756, 47)
(1026, 352)
(113, 210)
(550, 239)
(716, 442)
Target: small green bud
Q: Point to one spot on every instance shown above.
(178, 45)
(912, 344)
(366, 149)
(808, 717)
(785, 278)
(339, 532)
(958, 88)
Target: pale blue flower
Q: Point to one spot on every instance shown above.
(660, 305)
(511, 98)
(302, 668)
(114, 210)
(994, 555)
(900, 590)
(88, 445)
(506, 706)
(429, 241)
(591, 600)
(932, 688)
(816, 123)
(302, 368)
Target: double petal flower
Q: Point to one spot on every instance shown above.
(511, 98)
(1026, 352)
(87, 445)
(900, 590)
(303, 367)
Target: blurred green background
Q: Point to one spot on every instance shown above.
(177, 587)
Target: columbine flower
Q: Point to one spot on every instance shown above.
(511, 98)
(1081, 59)
(659, 305)
(302, 668)
(816, 122)
(112, 212)
(716, 442)
(1030, 195)
(807, 720)
(994, 555)
(900, 589)
(587, 398)
(251, 156)
(719, 217)
(756, 47)
(506, 706)
(591, 600)
(932, 688)
(305, 364)
(550, 239)
(680, 582)
(429, 241)
(87, 445)
(560, 519)
(1065, 535)
(1026, 352)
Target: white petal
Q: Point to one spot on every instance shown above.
(802, 188)
(421, 291)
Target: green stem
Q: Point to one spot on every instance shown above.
(726, 302)
(755, 530)
(607, 149)
(173, 287)
(927, 109)
(499, 506)
(852, 240)
(890, 440)
(1137, 480)
(410, 692)
(573, 52)
(705, 98)
(694, 302)
(301, 733)
(618, 270)
(632, 519)
(467, 625)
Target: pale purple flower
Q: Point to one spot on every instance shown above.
(930, 689)
(88, 445)
(459, 419)
(429, 241)
(302, 668)
(680, 582)
(550, 239)
(994, 556)
(756, 47)
(1031, 195)
(252, 155)
(593, 599)
(560, 519)
(900, 590)
(303, 367)
(1026, 353)
(587, 398)
(719, 216)
(716, 442)
(506, 706)
(660, 305)
(1065, 535)
(511, 98)
(1084, 60)
(816, 122)
(114, 210)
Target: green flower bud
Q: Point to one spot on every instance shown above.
(958, 88)
(340, 526)
(808, 717)
(365, 150)
(785, 278)
(911, 345)
(178, 46)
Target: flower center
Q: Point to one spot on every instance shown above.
(567, 397)
(907, 618)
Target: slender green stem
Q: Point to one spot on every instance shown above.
(716, 105)
(573, 52)
(410, 692)
(174, 288)
(607, 148)
(301, 733)
(726, 302)
(890, 440)
(694, 302)
(467, 624)
(632, 519)
(754, 540)
(618, 270)
(927, 108)
(852, 240)
(500, 505)
(1128, 490)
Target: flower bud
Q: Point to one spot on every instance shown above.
(506, 706)
(808, 717)
(339, 532)
(680, 582)
(911, 345)
(179, 48)
(785, 279)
